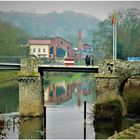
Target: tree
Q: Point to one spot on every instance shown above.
(10, 40)
(128, 33)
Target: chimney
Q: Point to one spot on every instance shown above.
(80, 45)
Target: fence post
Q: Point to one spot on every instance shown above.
(84, 119)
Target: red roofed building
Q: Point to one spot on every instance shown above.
(39, 42)
(54, 47)
(60, 47)
(39, 48)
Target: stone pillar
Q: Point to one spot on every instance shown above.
(107, 78)
(30, 89)
(106, 84)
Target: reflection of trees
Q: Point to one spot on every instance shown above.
(11, 103)
(62, 92)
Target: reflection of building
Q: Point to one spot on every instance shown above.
(58, 93)
(62, 92)
(85, 88)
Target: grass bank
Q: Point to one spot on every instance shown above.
(8, 75)
(8, 78)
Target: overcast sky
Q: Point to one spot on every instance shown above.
(99, 9)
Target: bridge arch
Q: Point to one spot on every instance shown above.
(124, 80)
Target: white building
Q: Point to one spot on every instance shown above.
(39, 48)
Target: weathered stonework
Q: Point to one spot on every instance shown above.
(106, 85)
(110, 81)
(30, 89)
(113, 75)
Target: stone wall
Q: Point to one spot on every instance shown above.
(110, 81)
(113, 74)
(30, 89)
(106, 85)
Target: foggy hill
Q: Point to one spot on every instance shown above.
(65, 24)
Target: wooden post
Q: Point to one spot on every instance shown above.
(84, 119)
(44, 108)
(44, 122)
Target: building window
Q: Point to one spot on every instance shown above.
(38, 49)
(34, 50)
(61, 42)
(44, 50)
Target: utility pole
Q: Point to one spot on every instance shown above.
(114, 25)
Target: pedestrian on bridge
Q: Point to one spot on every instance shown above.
(87, 60)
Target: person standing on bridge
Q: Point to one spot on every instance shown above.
(87, 60)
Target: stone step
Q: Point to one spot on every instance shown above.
(127, 132)
(137, 126)
(130, 133)
(134, 130)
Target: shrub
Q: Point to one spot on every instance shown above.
(109, 106)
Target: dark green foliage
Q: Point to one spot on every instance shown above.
(112, 110)
(132, 98)
(128, 33)
(109, 107)
(11, 39)
(65, 24)
(9, 97)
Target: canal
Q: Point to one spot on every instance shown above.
(64, 101)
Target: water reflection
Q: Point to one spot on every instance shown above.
(61, 92)
(64, 101)
(9, 97)
(31, 128)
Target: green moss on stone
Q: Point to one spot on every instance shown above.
(109, 106)
(28, 74)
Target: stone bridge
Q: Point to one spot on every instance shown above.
(113, 74)
(111, 77)
(31, 82)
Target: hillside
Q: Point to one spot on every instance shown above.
(65, 24)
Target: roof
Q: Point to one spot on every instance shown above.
(58, 37)
(39, 42)
(87, 45)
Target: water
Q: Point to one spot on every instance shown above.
(64, 100)
(65, 109)
(9, 97)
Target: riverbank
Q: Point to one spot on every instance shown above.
(112, 106)
(2, 125)
(9, 125)
(132, 132)
(8, 75)
(108, 108)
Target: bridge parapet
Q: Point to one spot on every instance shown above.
(113, 74)
(29, 67)
(117, 67)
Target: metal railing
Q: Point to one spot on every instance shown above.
(10, 59)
